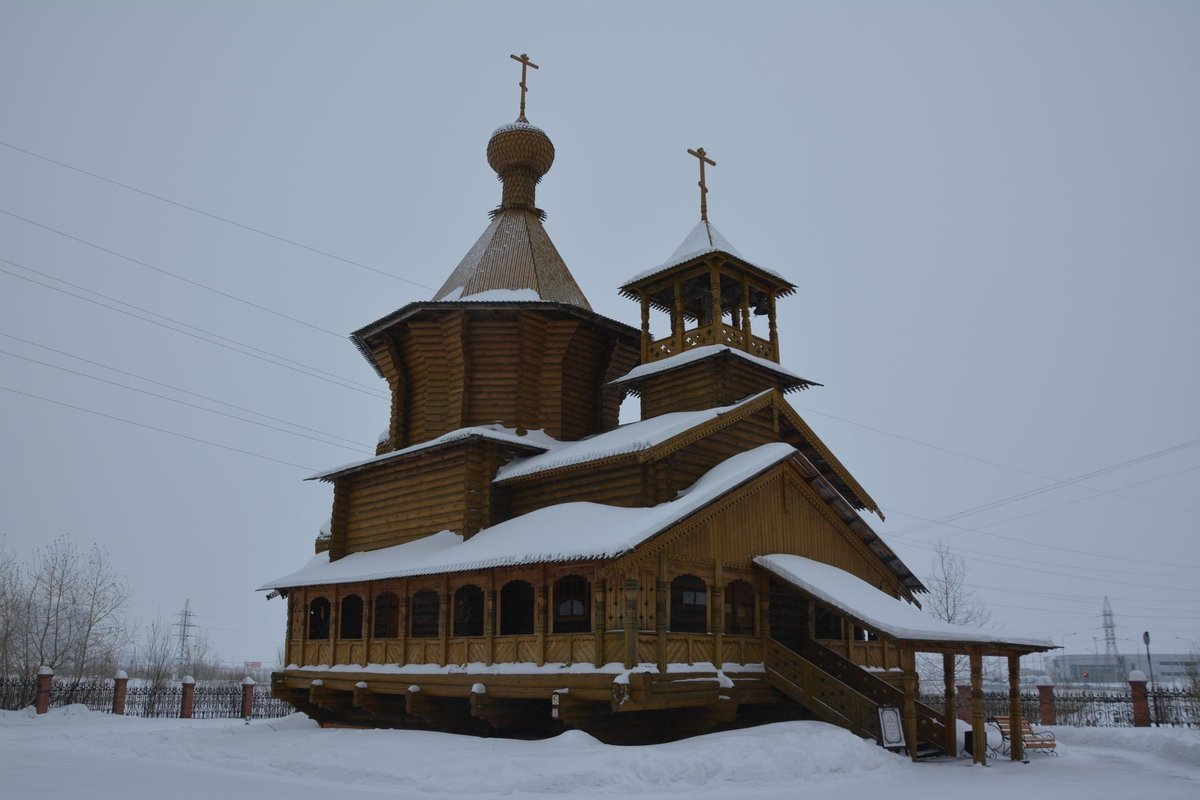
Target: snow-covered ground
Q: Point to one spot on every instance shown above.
(73, 752)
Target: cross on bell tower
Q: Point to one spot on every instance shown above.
(704, 159)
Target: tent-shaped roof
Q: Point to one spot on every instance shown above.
(701, 241)
(514, 254)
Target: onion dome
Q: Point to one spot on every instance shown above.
(521, 154)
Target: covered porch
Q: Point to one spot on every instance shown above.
(835, 625)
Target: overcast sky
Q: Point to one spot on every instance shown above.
(991, 211)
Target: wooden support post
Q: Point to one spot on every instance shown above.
(539, 619)
(120, 688)
(714, 282)
(599, 616)
(444, 621)
(661, 593)
(631, 620)
(747, 331)
(45, 677)
(489, 620)
(402, 622)
(773, 328)
(645, 298)
(718, 615)
(950, 718)
(187, 700)
(908, 713)
(677, 321)
(1017, 742)
(248, 685)
(978, 722)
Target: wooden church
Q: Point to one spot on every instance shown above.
(514, 561)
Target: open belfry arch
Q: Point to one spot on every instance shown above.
(515, 561)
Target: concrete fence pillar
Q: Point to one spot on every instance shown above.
(188, 701)
(1046, 711)
(1137, 690)
(963, 704)
(247, 698)
(120, 687)
(45, 677)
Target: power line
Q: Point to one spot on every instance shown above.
(160, 430)
(176, 388)
(1049, 488)
(174, 275)
(989, 462)
(358, 449)
(281, 361)
(217, 217)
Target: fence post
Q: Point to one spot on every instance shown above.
(964, 702)
(188, 700)
(1137, 689)
(1046, 710)
(45, 677)
(120, 686)
(247, 698)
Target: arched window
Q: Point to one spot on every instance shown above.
(739, 608)
(425, 607)
(572, 605)
(350, 624)
(689, 605)
(318, 618)
(387, 616)
(516, 608)
(468, 611)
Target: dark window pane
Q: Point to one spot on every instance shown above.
(468, 611)
(689, 605)
(318, 618)
(387, 616)
(350, 624)
(516, 608)
(739, 608)
(572, 606)
(425, 608)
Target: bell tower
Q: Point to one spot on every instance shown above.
(715, 353)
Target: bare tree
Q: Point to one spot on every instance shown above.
(950, 600)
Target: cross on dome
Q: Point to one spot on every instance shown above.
(525, 62)
(704, 159)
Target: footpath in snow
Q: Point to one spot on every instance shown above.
(73, 752)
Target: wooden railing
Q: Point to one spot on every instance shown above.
(930, 727)
(720, 333)
(820, 692)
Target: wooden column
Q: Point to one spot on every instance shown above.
(677, 318)
(978, 722)
(1017, 743)
(402, 622)
(645, 298)
(950, 718)
(489, 620)
(539, 619)
(908, 663)
(714, 284)
(745, 312)
(630, 620)
(660, 613)
(718, 615)
(444, 621)
(773, 328)
(600, 616)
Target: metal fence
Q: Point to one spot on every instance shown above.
(1104, 708)
(211, 700)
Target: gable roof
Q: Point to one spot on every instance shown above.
(514, 253)
(564, 532)
(878, 610)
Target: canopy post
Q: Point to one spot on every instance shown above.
(908, 665)
(1014, 708)
(978, 723)
(950, 718)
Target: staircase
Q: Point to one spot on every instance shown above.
(842, 693)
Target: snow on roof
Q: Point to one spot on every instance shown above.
(493, 296)
(703, 239)
(536, 439)
(631, 438)
(699, 353)
(565, 532)
(877, 609)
